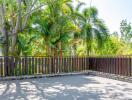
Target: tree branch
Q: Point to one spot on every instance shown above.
(26, 17)
(34, 3)
(18, 21)
(2, 17)
(29, 12)
(12, 14)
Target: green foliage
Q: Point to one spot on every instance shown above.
(59, 28)
(23, 45)
(126, 31)
(111, 47)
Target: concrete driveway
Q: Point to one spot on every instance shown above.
(77, 87)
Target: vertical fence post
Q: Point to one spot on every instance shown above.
(5, 66)
(130, 67)
(33, 65)
(87, 63)
(23, 72)
(20, 69)
(1, 67)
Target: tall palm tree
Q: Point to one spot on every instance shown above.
(92, 28)
(75, 16)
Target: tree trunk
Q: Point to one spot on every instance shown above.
(5, 44)
(14, 40)
(88, 48)
(17, 27)
(47, 50)
(61, 52)
(4, 30)
(55, 52)
(75, 49)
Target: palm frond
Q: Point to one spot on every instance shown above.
(80, 16)
(91, 12)
(79, 6)
(70, 7)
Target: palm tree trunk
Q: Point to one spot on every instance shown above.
(75, 49)
(88, 48)
(46, 47)
(61, 52)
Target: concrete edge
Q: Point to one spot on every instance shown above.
(111, 76)
(88, 72)
(41, 76)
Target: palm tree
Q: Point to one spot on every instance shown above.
(92, 28)
(75, 16)
(56, 25)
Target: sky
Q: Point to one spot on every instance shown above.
(113, 11)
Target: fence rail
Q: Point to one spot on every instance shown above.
(17, 66)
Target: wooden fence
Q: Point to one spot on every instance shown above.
(121, 65)
(13, 66)
(18, 66)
